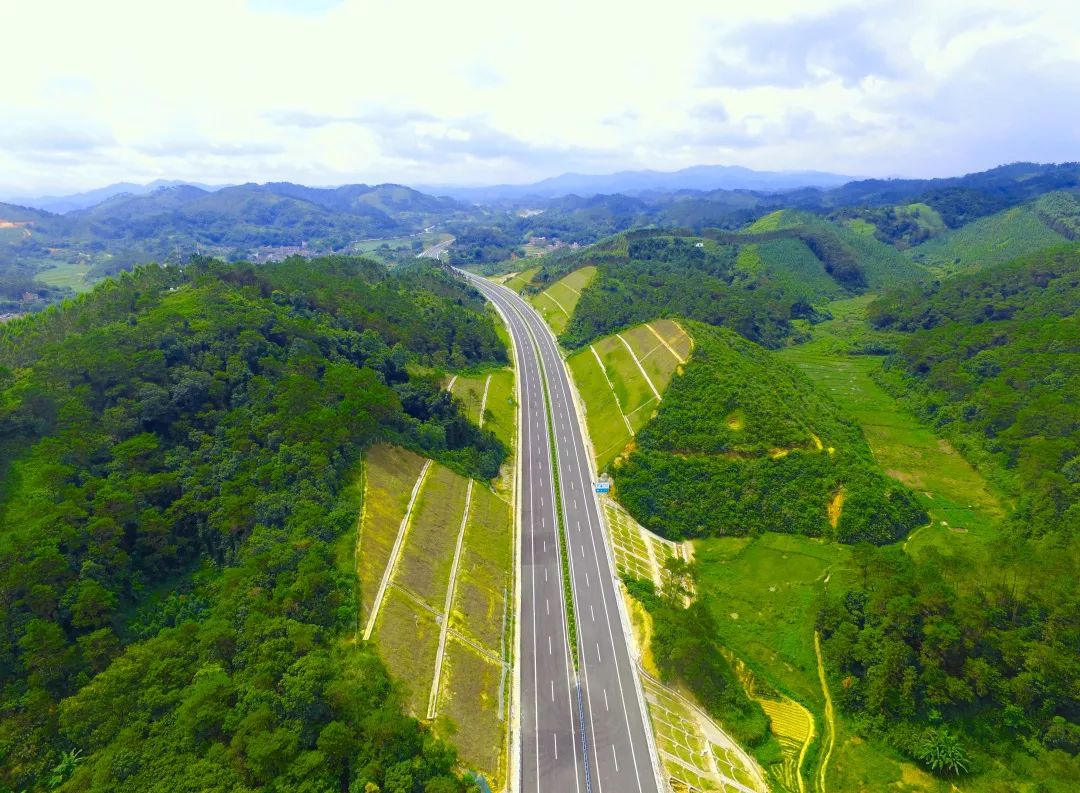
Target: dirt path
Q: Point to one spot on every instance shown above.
(663, 341)
(483, 407)
(641, 368)
(611, 386)
(830, 720)
(433, 695)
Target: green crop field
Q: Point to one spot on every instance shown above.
(428, 552)
(766, 593)
(990, 240)
(390, 473)
(67, 274)
(618, 388)
(557, 302)
(962, 506)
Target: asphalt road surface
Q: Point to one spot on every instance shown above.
(583, 731)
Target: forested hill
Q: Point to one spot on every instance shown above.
(993, 359)
(754, 281)
(175, 518)
(744, 443)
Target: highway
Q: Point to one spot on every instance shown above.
(583, 730)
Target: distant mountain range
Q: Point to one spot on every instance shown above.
(171, 222)
(703, 178)
(60, 205)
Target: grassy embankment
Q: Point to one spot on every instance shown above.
(517, 281)
(695, 751)
(472, 701)
(618, 397)
(557, 302)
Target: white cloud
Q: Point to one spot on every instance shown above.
(478, 91)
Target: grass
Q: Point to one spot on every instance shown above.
(519, 281)
(766, 593)
(470, 713)
(68, 274)
(484, 572)
(657, 360)
(603, 415)
(986, 241)
(692, 752)
(407, 638)
(556, 303)
(390, 473)
(618, 388)
(501, 412)
(963, 508)
(470, 390)
(428, 552)
(407, 630)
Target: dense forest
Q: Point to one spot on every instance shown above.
(957, 665)
(178, 451)
(744, 443)
(993, 360)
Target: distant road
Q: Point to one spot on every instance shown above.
(580, 731)
(436, 251)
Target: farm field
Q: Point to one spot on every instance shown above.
(986, 241)
(471, 692)
(962, 506)
(765, 593)
(557, 302)
(616, 377)
(67, 274)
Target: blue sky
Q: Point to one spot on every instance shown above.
(477, 91)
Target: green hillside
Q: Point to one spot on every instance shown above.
(178, 502)
(744, 443)
(879, 265)
(992, 359)
(987, 241)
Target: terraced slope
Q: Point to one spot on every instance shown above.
(556, 303)
(451, 545)
(621, 379)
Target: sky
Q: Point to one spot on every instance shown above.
(327, 92)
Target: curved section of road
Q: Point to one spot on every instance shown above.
(604, 697)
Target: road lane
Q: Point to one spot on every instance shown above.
(620, 752)
(550, 742)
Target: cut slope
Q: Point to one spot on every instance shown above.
(617, 390)
(557, 302)
(469, 695)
